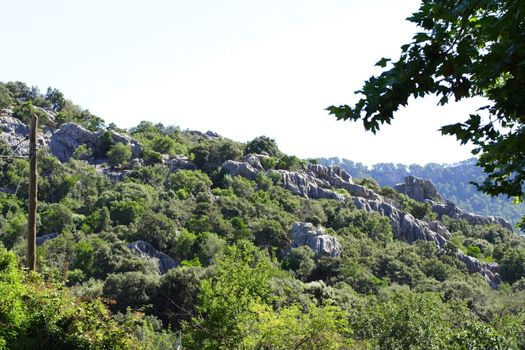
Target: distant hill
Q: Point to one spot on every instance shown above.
(451, 180)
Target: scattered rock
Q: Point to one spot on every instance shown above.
(180, 162)
(304, 233)
(418, 189)
(146, 250)
(243, 169)
(113, 175)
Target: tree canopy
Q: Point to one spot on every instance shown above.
(464, 48)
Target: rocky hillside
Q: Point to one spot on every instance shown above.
(453, 182)
(241, 246)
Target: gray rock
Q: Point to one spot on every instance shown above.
(146, 250)
(404, 225)
(212, 134)
(253, 160)
(304, 233)
(42, 239)
(180, 162)
(338, 178)
(418, 189)
(306, 185)
(136, 148)
(64, 141)
(16, 134)
(113, 175)
(452, 210)
(490, 271)
(243, 169)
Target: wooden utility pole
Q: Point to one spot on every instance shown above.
(33, 189)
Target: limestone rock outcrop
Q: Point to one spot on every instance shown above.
(243, 169)
(323, 244)
(339, 178)
(180, 162)
(452, 210)
(418, 189)
(146, 250)
(65, 140)
(306, 185)
(490, 271)
(253, 160)
(16, 134)
(404, 225)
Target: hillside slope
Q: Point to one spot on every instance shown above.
(241, 246)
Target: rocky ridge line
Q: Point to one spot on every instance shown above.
(318, 181)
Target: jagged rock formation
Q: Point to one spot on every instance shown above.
(490, 271)
(207, 135)
(65, 140)
(338, 178)
(62, 142)
(253, 160)
(146, 250)
(418, 189)
(404, 225)
(15, 134)
(243, 169)
(306, 185)
(304, 233)
(317, 182)
(451, 210)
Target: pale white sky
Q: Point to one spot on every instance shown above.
(240, 68)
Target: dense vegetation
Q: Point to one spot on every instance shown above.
(238, 285)
(451, 180)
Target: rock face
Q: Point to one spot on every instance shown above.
(15, 134)
(70, 136)
(243, 169)
(306, 185)
(304, 233)
(404, 225)
(65, 140)
(490, 271)
(146, 250)
(338, 178)
(62, 142)
(451, 209)
(418, 189)
(253, 160)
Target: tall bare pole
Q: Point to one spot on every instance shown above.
(33, 189)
